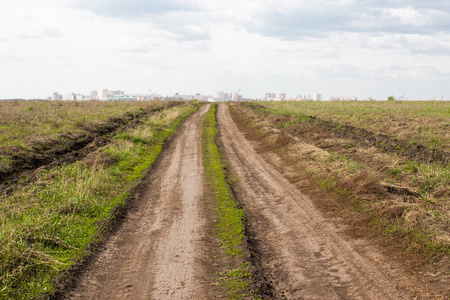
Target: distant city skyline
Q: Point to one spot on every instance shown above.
(338, 48)
(105, 94)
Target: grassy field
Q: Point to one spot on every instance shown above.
(34, 133)
(48, 222)
(371, 156)
(230, 219)
(424, 122)
(24, 122)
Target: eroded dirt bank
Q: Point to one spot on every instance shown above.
(299, 253)
(157, 252)
(67, 147)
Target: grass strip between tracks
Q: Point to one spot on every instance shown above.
(230, 223)
(47, 225)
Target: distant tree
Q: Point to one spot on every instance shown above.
(391, 98)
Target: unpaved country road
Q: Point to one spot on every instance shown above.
(157, 252)
(302, 255)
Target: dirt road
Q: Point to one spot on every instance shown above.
(302, 255)
(157, 252)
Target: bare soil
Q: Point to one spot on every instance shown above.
(159, 250)
(299, 252)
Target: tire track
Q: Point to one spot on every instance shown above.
(157, 252)
(301, 254)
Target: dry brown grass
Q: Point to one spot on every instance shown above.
(363, 183)
(424, 122)
(282, 140)
(99, 160)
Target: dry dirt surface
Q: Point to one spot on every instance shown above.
(300, 254)
(157, 251)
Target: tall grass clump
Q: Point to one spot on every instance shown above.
(230, 223)
(46, 224)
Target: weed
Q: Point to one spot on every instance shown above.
(394, 171)
(412, 167)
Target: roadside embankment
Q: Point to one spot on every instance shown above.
(55, 133)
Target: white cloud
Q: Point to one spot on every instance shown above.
(134, 8)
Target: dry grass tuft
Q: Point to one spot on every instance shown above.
(363, 183)
(442, 193)
(395, 211)
(414, 217)
(282, 140)
(99, 160)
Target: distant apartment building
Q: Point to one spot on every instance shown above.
(71, 96)
(81, 97)
(104, 94)
(57, 96)
(282, 96)
(222, 96)
(317, 97)
(270, 96)
(111, 95)
(93, 95)
(115, 95)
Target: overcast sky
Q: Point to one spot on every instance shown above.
(363, 48)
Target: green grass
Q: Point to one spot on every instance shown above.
(47, 224)
(230, 226)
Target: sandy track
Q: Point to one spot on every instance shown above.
(157, 252)
(302, 255)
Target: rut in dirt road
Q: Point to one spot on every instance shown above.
(302, 255)
(157, 252)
